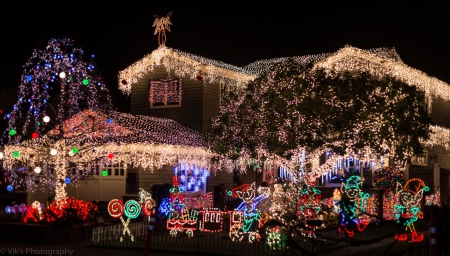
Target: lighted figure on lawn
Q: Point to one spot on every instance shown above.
(309, 208)
(161, 24)
(351, 194)
(276, 239)
(180, 218)
(250, 213)
(131, 209)
(147, 202)
(407, 210)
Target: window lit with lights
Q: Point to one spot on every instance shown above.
(192, 178)
(165, 93)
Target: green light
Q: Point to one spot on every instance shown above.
(85, 81)
(12, 132)
(39, 123)
(105, 173)
(74, 150)
(16, 154)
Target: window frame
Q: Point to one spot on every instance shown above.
(167, 93)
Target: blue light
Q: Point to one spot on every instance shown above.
(67, 180)
(164, 207)
(8, 116)
(109, 121)
(10, 188)
(93, 56)
(28, 78)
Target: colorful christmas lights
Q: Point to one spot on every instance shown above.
(161, 25)
(407, 210)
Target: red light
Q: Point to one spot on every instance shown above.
(34, 135)
(110, 156)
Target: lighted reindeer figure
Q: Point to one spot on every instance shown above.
(161, 24)
(407, 210)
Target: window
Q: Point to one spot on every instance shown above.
(165, 93)
(225, 90)
(191, 178)
(421, 159)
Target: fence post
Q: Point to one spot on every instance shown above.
(151, 227)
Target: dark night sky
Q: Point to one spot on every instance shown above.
(120, 34)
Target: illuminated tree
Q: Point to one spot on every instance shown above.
(294, 109)
(57, 74)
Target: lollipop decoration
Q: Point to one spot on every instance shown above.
(131, 210)
(148, 207)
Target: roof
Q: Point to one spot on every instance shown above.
(381, 64)
(95, 127)
(184, 65)
(261, 66)
(376, 61)
(135, 140)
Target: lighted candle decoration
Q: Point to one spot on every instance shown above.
(132, 209)
(407, 210)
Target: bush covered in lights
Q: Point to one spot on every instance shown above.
(69, 210)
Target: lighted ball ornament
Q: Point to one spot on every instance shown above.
(12, 132)
(37, 170)
(53, 151)
(46, 119)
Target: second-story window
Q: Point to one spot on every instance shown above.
(225, 90)
(165, 93)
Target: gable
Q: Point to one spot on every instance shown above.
(387, 64)
(184, 65)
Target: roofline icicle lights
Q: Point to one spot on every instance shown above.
(184, 65)
(354, 59)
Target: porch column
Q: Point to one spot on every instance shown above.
(437, 178)
(406, 172)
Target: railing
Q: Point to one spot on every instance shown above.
(110, 236)
(212, 243)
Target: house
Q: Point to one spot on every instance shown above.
(189, 89)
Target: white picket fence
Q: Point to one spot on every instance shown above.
(111, 235)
